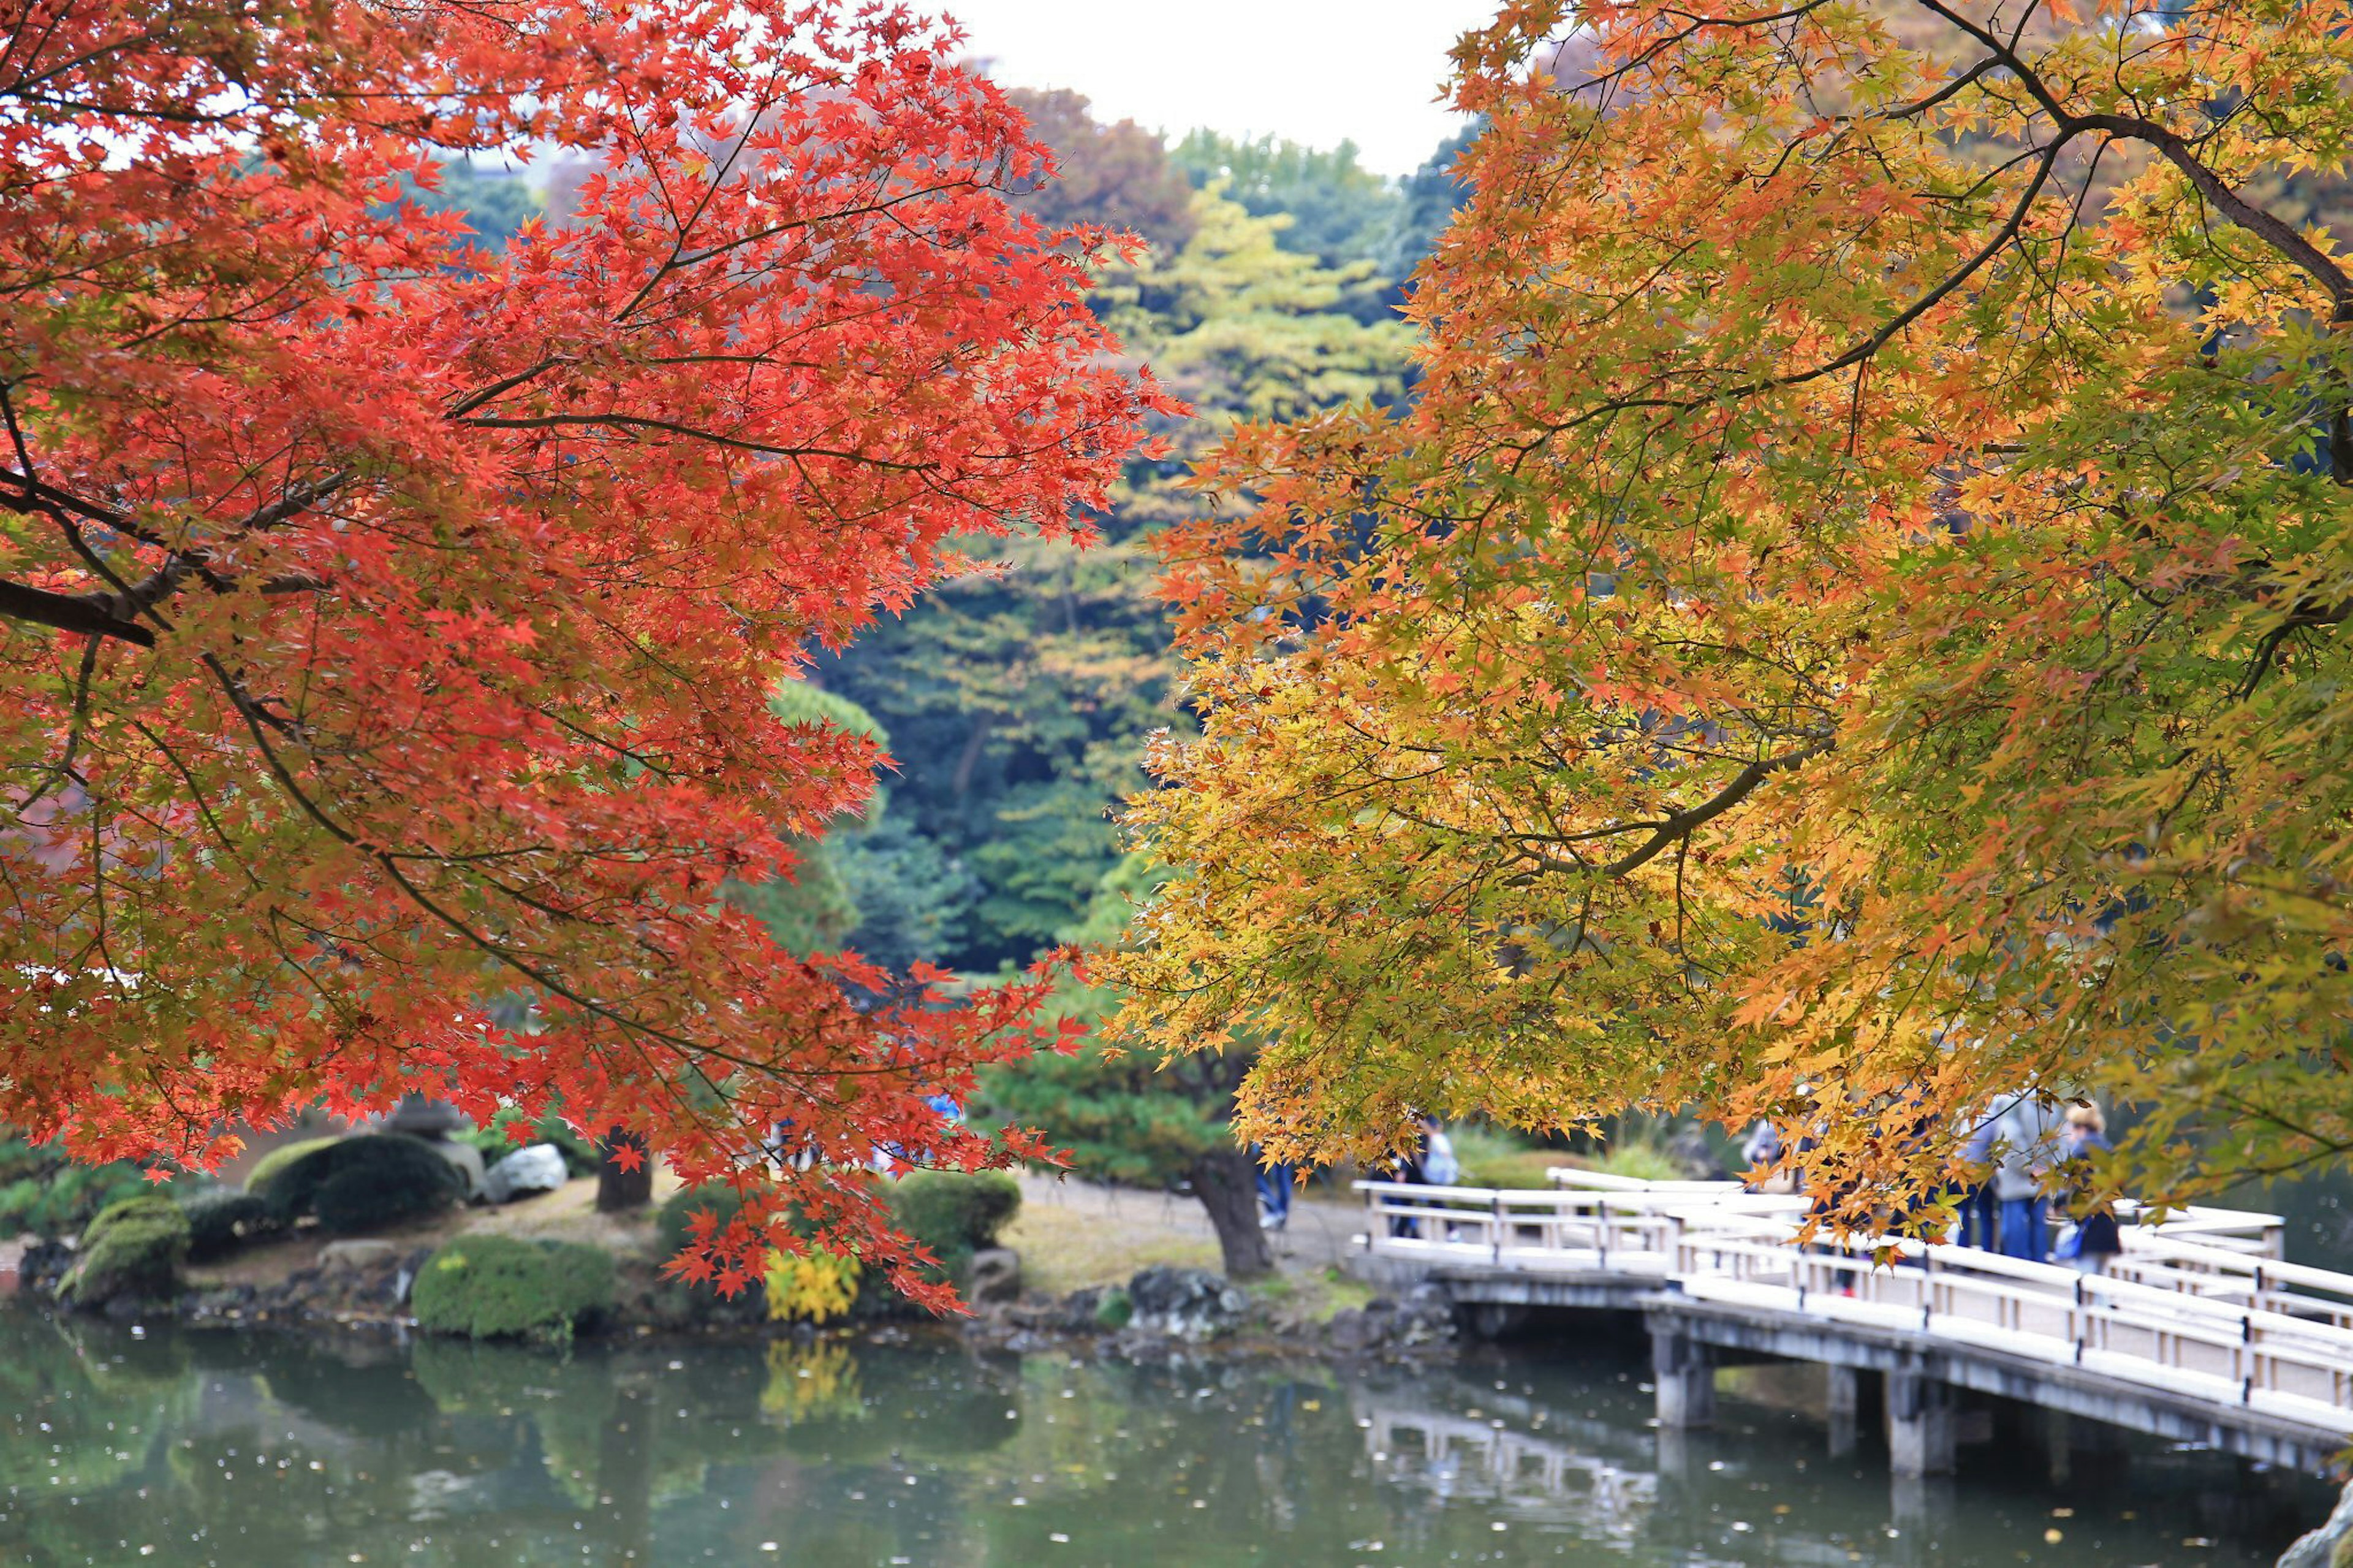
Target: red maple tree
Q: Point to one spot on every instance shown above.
(389, 625)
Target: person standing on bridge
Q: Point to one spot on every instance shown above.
(2093, 1238)
(1980, 1213)
(2027, 1143)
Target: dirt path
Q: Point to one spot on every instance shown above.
(1072, 1234)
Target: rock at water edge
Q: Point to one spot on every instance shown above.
(2330, 1546)
(340, 1257)
(1184, 1304)
(995, 1277)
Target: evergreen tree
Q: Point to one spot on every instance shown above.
(1019, 699)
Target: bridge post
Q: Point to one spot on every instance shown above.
(1919, 1425)
(1840, 1402)
(1686, 1378)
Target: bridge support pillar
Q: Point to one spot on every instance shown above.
(1919, 1425)
(1841, 1400)
(2057, 1444)
(1684, 1374)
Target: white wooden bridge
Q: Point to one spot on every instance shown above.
(2198, 1331)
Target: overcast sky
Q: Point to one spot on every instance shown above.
(1316, 71)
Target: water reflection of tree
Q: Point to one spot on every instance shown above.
(809, 1380)
(80, 1411)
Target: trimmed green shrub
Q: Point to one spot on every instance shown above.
(221, 1220)
(364, 1183)
(495, 1287)
(580, 1156)
(953, 1213)
(135, 1247)
(268, 1168)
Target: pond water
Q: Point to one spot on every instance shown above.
(168, 1447)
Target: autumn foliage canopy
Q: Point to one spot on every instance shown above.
(1852, 624)
(389, 625)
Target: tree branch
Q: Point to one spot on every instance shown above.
(1679, 824)
(91, 614)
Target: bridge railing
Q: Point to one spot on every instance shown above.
(2181, 1307)
(1532, 1230)
(2295, 1366)
(2161, 1257)
(2241, 1231)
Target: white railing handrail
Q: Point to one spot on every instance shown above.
(1579, 1176)
(2183, 1302)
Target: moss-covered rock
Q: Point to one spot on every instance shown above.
(133, 1247)
(267, 1169)
(494, 1286)
(222, 1219)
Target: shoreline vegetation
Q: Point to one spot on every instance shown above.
(1044, 1261)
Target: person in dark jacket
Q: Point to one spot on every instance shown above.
(1979, 1209)
(2096, 1238)
(1410, 1170)
(1275, 1184)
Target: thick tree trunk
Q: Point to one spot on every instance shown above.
(617, 1189)
(1227, 1183)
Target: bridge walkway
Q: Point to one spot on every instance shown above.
(2198, 1331)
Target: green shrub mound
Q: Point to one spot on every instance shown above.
(953, 1213)
(267, 1169)
(494, 1286)
(133, 1247)
(364, 1183)
(221, 1220)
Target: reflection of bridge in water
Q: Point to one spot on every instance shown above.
(1460, 1454)
(2199, 1331)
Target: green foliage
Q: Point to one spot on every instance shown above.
(135, 1247)
(497, 1141)
(44, 1193)
(1119, 1117)
(954, 1214)
(266, 1170)
(914, 898)
(1494, 1156)
(1642, 1159)
(673, 1221)
(364, 1182)
(813, 906)
(221, 1219)
(1243, 328)
(1432, 196)
(1339, 211)
(1114, 1310)
(495, 1287)
(1020, 702)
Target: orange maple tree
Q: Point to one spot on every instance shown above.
(389, 625)
(1853, 623)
